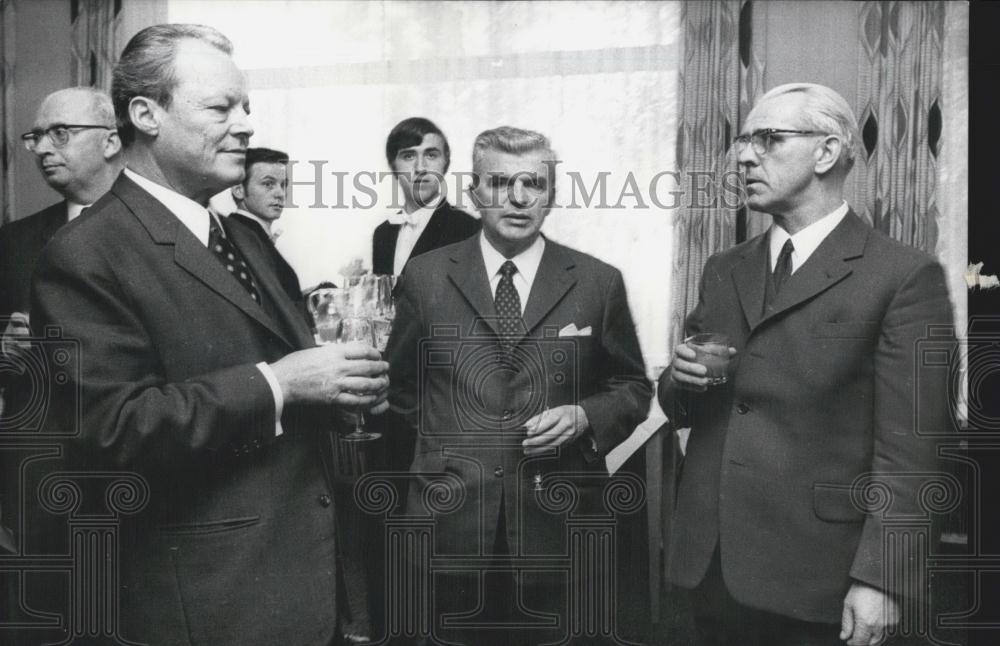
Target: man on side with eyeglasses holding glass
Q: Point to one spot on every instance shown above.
(78, 152)
(778, 528)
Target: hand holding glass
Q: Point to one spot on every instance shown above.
(712, 351)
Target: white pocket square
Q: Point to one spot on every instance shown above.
(571, 330)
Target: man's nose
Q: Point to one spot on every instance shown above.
(241, 127)
(518, 194)
(746, 155)
(43, 146)
(420, 165)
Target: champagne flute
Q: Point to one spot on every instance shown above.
(356, 325)
(327, 306)
(383, 311)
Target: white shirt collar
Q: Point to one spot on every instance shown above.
(73, 209)
(807, 240)
(193, 215)
(419, 217)
(527, 266)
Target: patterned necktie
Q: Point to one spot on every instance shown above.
(231, 259)
(508, 305)
(783, 268)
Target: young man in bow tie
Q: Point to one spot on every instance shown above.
(419, 155)
(516, 363)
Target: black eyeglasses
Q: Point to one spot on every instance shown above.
(761, 140)
(57, 134)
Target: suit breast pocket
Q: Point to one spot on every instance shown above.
(847, 329)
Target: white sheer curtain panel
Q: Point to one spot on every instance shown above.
(329, 80)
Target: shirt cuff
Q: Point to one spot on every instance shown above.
(279, 399)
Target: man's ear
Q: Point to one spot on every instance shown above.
(238, 193)
(145, 115)
(112, 144)
(828, 154)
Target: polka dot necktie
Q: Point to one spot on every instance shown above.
(231, 259)
(508, 305)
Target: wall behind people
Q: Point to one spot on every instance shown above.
(328, 80)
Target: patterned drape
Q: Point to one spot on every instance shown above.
(900, 115)
(96, 24)
(709, 119)
(8, 139)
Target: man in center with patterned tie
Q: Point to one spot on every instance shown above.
(515, 361)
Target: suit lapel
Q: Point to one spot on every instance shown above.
(189, 253)
(553, 279)
(268, 282)
(468, 274)
(431, 233)
(750, 275)
(825, 268)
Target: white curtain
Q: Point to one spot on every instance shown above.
(329, 80)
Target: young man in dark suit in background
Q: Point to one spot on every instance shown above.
(418, 152)
(260, 200)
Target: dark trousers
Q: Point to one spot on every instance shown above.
(720, 620)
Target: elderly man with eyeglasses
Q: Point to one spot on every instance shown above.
(798, 463)
(77, 150)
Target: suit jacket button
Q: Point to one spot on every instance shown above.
(325, 500)
(742, 409)
(498, 472)
(507, 414)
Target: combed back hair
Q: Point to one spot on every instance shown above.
(409, 133)
(262, 156)
(510, 140)
(825, 111)
(146, 67)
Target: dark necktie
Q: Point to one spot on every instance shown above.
(508, 305)
(783, 268)
(231, 259)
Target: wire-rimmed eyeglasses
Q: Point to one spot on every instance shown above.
(58, 134)
(760, 140)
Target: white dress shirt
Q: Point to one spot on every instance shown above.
(195, 217)
(73, 210)
(526, 262)
(807, 240)
(411, 226)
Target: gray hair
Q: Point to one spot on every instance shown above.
(514, 141)
(146, 67)
(825, 110)
(511, 140)
(100, 102)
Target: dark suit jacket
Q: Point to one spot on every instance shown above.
(21, 242)
(286, 274)
(236, 542)
(825, 390)
(446, 226)
(467, 405)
